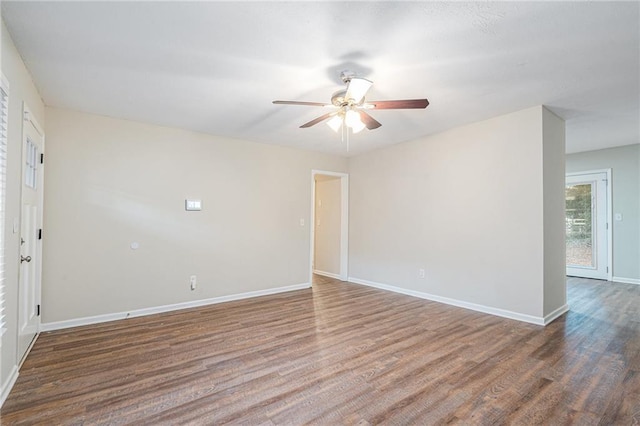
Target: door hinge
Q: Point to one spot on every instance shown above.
(607, 225)
(40, 233)
(42, 158)
(38, 310)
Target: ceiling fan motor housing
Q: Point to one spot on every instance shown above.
(338, 98)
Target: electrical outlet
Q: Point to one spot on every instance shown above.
(421, 273)
(192, 280)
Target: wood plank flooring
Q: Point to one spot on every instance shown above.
(341, 354)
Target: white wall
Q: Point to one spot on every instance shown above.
(112, 182)
(624, 163)
(467, 206)
(21, 90)
(327, 230)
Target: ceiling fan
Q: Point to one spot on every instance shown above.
(351, 112)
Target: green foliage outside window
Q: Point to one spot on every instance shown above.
(578, 207)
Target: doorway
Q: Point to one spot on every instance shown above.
(588, 236)
(329, 224)
(30, 233)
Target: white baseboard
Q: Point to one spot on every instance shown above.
(26, 353)
(459, 303)
(626, 280)
(58, 325)
(8, 385)
(327, 274)
(555, 314)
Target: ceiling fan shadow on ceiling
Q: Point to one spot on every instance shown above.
(350, 107)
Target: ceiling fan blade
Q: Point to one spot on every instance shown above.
(300, 103)
(369, 121)
(357, 88)
(400, 104)
(318, 120)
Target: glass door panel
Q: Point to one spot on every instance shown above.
(579, 225)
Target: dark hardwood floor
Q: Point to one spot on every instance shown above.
(342, 354)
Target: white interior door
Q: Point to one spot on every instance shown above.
(30, 234)
(586, 225)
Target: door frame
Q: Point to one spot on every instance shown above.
(344, 222)
(28, 117)
(609, 214)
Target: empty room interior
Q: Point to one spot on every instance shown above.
(351, 212)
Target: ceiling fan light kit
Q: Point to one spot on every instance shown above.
(356, 89)
(335, 123)
(352, 120)
(351, 106)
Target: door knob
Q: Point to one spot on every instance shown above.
(25, 259)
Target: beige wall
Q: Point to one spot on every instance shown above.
(21, 90)
(467, 207)
(553, 177)
(327, 230)
(624, 163)
(113, 182)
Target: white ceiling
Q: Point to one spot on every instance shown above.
(215, 67)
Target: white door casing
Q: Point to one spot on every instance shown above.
(30, 234)
(344, 222)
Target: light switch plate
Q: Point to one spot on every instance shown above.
(618, 217)
(192, 205)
